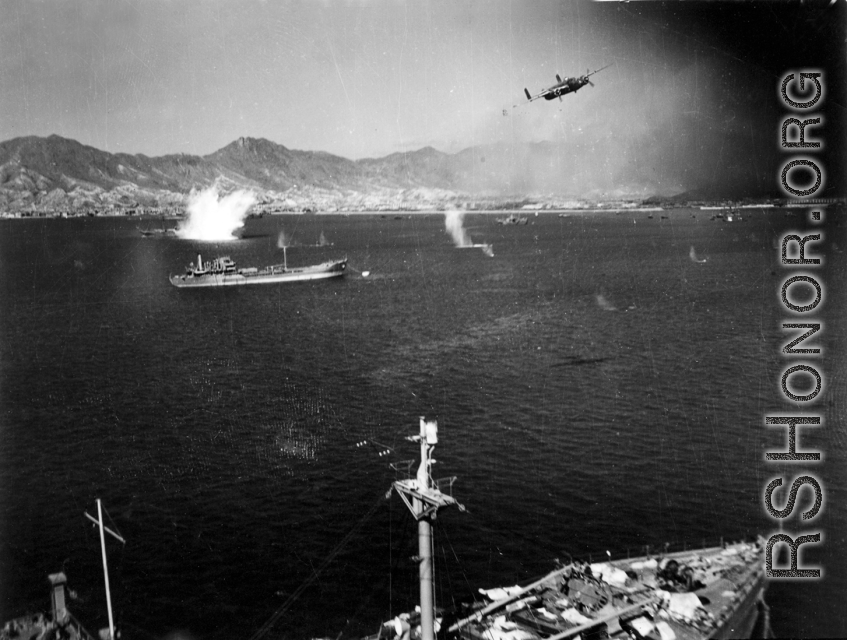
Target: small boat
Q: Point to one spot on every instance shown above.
(147, 233)
(154, 232)
(222, 272)
(512, 219)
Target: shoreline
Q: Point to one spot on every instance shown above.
(532, 212)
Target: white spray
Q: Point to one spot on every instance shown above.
(694, 258)
(213, 218)
(454, 223)
(283, 241)
(604, 303)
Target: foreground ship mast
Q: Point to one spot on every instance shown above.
(424, 498)
(99, 522)
(699, 593)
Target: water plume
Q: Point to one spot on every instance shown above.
(283, 241)
(454, 223)
(604, 303)
(215, 218)
(694, 258)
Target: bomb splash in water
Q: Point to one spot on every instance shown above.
(215, 218)
(454, 222)
(694, 258)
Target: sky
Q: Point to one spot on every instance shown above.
(366, 78)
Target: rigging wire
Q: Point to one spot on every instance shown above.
(146, 633)
(503, 528)
(114, 525)
(392, 568)
(441, 580)
(443, 530)
(268, 626)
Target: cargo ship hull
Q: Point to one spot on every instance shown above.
(267, 275)
(748, 619)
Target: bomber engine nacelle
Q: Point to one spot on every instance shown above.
(563, 87)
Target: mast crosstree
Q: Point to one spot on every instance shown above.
(103, 528)
(424, 498)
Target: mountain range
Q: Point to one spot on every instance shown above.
(55, 173)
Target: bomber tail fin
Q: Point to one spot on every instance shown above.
(528, 97)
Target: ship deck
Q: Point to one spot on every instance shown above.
(690, 595)
(266, 275)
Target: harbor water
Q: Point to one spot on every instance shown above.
(600, 383)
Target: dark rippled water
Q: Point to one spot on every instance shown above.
(595, 389)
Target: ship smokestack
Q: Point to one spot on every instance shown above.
(199, 263)
(57, 597)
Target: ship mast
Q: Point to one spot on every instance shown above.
(423, 498)
(99, 522)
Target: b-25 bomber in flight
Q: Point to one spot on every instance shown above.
(562, 87)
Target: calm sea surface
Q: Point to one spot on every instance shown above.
(595, 387)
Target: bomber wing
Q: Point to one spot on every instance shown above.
(530, 98)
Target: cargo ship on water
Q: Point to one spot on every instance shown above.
(223, 272)
(707, 593)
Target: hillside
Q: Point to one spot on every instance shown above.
(55, 173)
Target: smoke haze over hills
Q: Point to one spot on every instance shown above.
(64, 173)
(385, 95)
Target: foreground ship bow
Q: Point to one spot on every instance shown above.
(708, 593)
(222, 272)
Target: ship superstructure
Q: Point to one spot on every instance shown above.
(222, 272)
(707, 593)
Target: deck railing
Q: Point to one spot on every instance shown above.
(661, 550)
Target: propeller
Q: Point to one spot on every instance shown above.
(585, 79)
